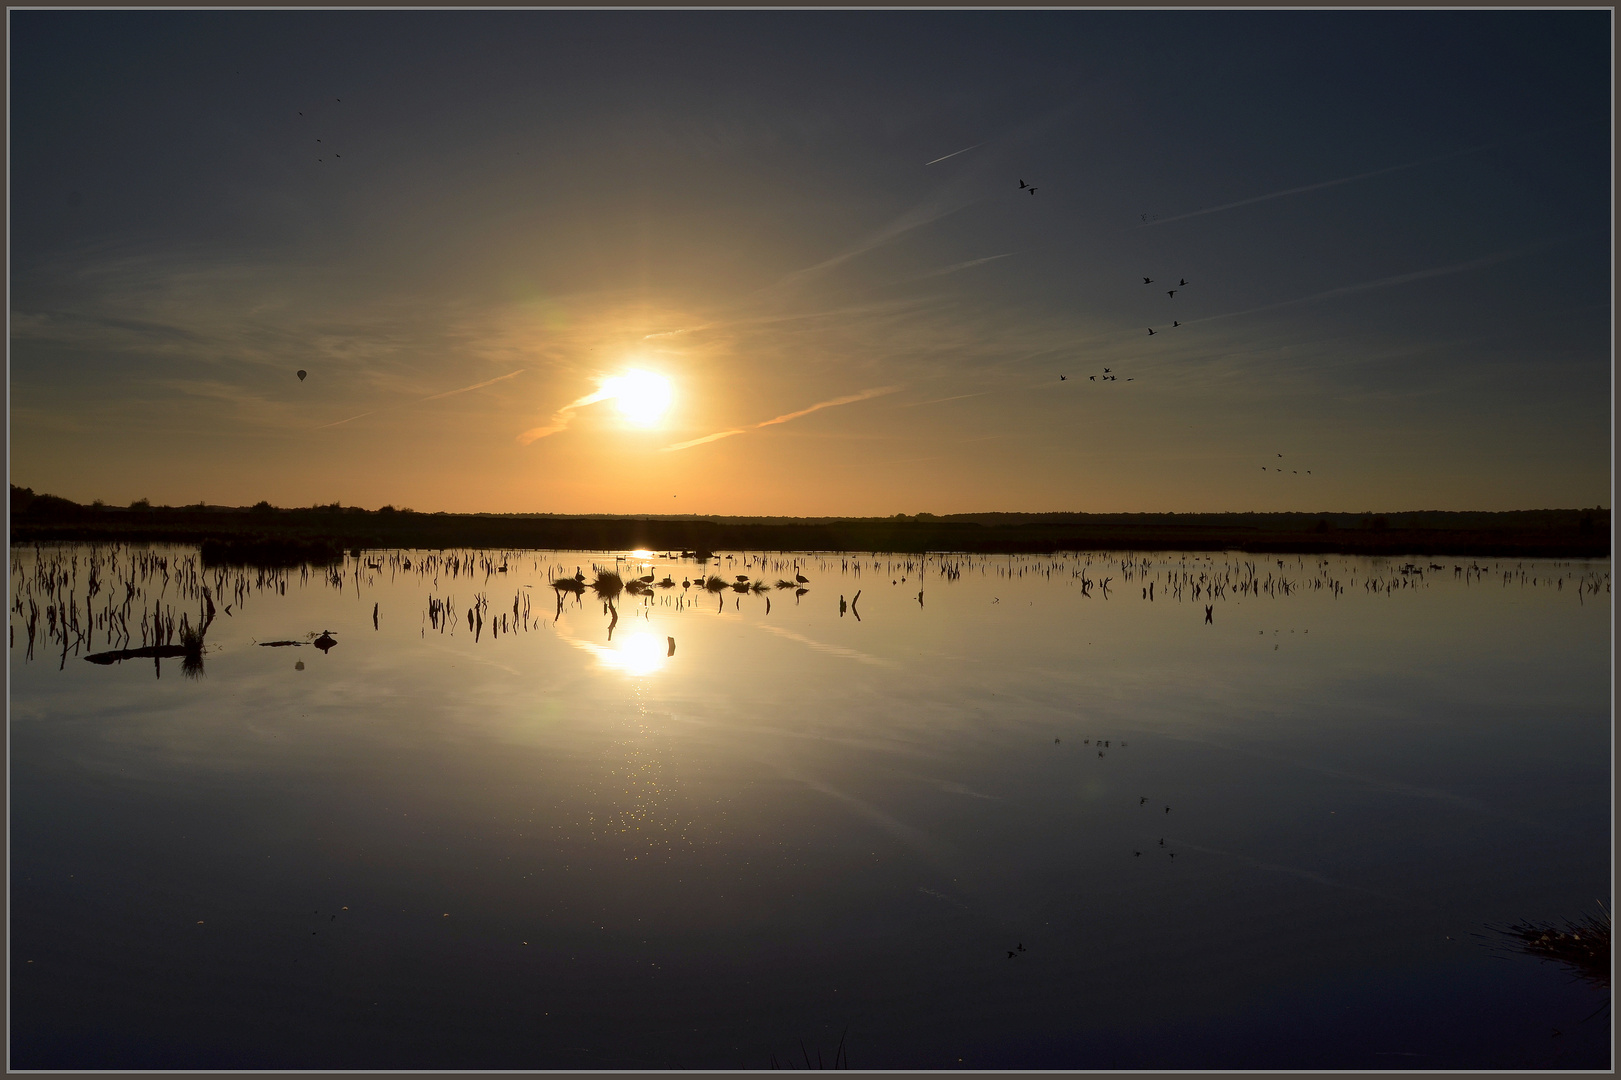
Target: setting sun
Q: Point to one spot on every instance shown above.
(642, 396)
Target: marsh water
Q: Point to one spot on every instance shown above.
(1001, 811)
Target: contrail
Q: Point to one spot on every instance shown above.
(345, 420)
(915, 218)
(475, 386)
(1324, 184)
(785, 417)
(953, 154)
(954, 267)
(938, 400)
(1399, 279)
(432, 397)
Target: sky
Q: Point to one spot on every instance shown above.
(786, 263)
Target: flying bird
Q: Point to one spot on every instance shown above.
(1061, 378)
(1032, 190)
(1171, 293)
(1107, 370)
(1023, 184)
(1091, 378)
(1184, 281)
(1150, 331)
(1146, 280)
(1175, 323)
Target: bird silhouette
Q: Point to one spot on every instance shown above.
(1091, 378)
(1150, 331)
(1107, 370)
(1184, 281)
(1023, 184)
(1061, 378)
(1021, 946)
(1146, 280)
(1171, 293)
(1032, 189)
(1011, 954)
(1142, 800)
(1175, 323)
(1167, 809)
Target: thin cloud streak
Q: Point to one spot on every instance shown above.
(954, 153)
(1323, 184)
(785, 417)
(955, 267)
(346, 419)
(1399, 279)
(938, 400)
(916, 218)
(562, 417)
(476, 386)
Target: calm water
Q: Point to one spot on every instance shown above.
(1270, 836)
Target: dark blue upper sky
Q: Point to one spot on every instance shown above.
(740, 201)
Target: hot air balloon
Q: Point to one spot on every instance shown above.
(301, 374)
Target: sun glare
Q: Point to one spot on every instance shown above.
(642, 396)
(639, 654)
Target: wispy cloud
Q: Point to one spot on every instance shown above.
(1397, 279)
(917, 217)
(562, 417)
(346, 419)
(785, 417)
(1323, 184)
(476, 386)
(956, 267)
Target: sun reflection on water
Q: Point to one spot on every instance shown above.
(640, 653)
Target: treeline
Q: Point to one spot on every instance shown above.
(254, 534)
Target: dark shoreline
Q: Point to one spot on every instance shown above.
(315, 534)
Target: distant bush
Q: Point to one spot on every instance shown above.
(141, 504)
(262, 507)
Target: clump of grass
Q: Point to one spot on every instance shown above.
(569, 585)
(783, 583)
(191, 662)
(608, 585)
(715, 584)
(1583, 946)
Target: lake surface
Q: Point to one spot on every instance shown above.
(1260, 825)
